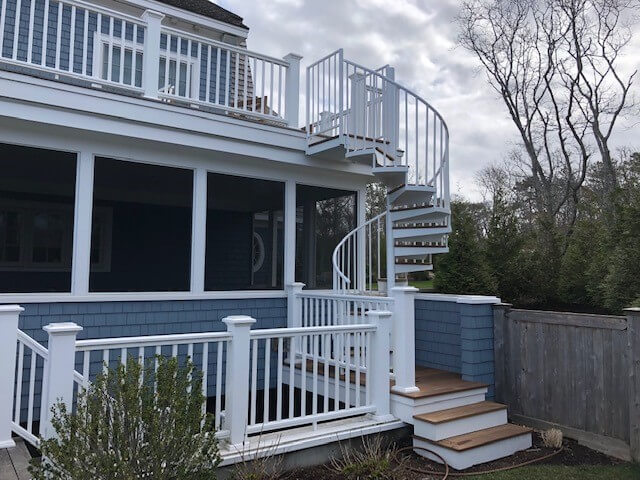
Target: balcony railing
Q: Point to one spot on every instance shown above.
(107, 47)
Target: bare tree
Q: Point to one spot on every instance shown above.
(555, 64)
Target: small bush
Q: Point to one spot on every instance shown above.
(134, 423)
(375, 461)
(552, 438)
(268, 466)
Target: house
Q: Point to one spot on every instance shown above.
(157, 179)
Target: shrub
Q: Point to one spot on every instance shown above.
(134, 423)
(375, 461)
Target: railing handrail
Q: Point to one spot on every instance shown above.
(345, 296)
(226, 46)
(32, 344)
(297, 331)
(334, 256)
(154, 340)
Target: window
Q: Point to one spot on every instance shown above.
(324, 216)
(141, 227)
(37, 190)
(245, 233)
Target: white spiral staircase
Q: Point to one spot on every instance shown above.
(371, 118)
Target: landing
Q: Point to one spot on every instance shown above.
(14, 462)
(433, 382)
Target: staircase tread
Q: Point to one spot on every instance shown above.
(458, 413)
(433, 382)
(396, 227)
(415, 207)
(468, 441)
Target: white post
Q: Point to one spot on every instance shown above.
(57, 379)
(292, 90)
(293, 304)
(198, 230)
(379, 364)
(237, 384)
(361, 218)
(390, 123)
(82, 224)
(404, 339)
(151, 56)
(289, 232)
(9, 327)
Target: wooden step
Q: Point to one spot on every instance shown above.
(433, 383)
(459, 413)
(480, 438)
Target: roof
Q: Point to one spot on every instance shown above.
(208, 9)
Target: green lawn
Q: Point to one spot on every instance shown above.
(422, 284)
(560, 472)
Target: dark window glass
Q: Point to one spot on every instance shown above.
(245, 233)
(324, 216)
(141, 234)
(37, 190)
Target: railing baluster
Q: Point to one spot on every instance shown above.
(16, 28)
(292, 368)
(19, 373)
(303, 377)
(32, 390)
(32, 9)
(228, 78)
(336, 370)
(219, 352)
(267, 379)
(86, 356)
(314, 401)
(254, 381)
(235, 90)
(205, 375)
(279, 380)
(326, 345)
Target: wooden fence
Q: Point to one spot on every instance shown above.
(576, 372)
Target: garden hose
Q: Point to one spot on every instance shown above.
(471, 474)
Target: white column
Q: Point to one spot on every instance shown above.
(292, 90)
(289, 232)
(404, 339)
(237, 384)
(361, 218)
(58, 375)
(9, 327)
(390, 122)
(82, 221)
(198, 230)
(151, 57)
(379, 364)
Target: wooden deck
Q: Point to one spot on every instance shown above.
(430, 381)
(14, 462)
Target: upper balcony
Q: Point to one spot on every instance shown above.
(149, 50)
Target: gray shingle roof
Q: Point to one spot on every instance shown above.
(208, 9)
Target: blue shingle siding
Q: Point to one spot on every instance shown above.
(9, 22)
(456, 337)
(121, 319)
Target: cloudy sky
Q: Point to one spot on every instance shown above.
(418, 37)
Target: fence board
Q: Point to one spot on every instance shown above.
(573, 370)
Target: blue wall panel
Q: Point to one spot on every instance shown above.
(456, 337)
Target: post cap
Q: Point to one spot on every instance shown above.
(62, 328)
(11, 309)
(152, 14)
(632, 310)
(235, 320)
(296, 286)
(293, 57)
(405, 289)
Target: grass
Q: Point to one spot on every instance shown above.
(561, 472)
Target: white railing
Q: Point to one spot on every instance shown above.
(107, 47)
(214, 73)
(374, 114)
(264, 379)
(75, 38)
(317, 308)
(297, 362)
(205, 350)
(32, 357)
(354, 272)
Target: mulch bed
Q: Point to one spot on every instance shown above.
(572, 454)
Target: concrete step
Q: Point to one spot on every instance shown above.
(464, 451)
(460, 420)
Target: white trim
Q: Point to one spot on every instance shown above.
(289, 232)
(466, 299)
(25, 298)
(198, 230)
(82, 224)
